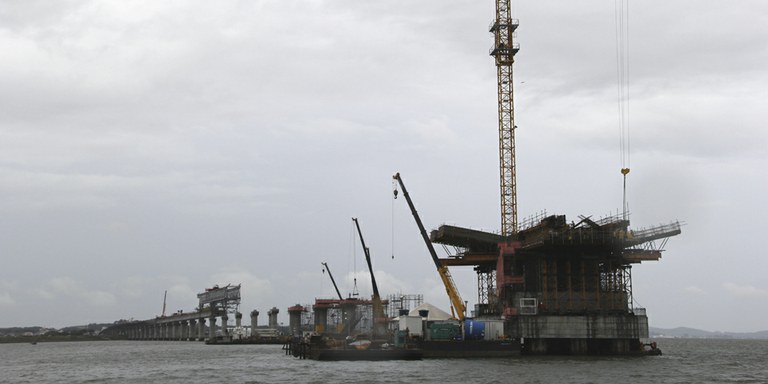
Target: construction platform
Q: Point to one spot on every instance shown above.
(561, 287)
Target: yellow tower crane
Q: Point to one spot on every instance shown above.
(503, 51)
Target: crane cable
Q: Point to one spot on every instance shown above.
(394, 189)
(622, 75)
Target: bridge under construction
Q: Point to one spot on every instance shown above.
(558, 286)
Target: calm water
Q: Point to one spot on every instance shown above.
(684, 361)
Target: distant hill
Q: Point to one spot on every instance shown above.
(692, 333)
(32, 331)
(93, 328)
(21, 331)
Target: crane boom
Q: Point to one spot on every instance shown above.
(367, 253)
(457, 305)
(379, 317)
(332, 280)
(503, 51)
(165, 296)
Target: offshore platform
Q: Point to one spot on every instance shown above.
(560, 287)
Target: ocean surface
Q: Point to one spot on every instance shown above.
(684, 361)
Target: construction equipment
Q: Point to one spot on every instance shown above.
(458, 308)
(332, 280)
(379, 318)
(503, 51)
(165, 296)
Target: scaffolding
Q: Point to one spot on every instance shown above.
(399, 302)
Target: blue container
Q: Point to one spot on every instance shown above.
(474, 330)
(403, 312)
(423, 312)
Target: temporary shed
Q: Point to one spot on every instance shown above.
(434, 313)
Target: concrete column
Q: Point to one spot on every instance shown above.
(224, 330)
(321, 320)
(294, 319)
(192, 330)
(272, 314)
(238, 319)
(254, 319)
(212, 328)
(201, 329)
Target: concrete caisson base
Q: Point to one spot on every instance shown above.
(617, 334)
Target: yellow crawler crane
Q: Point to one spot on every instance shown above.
(458, 309)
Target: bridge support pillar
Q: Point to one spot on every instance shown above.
(224, 326)
(192, 330)
(212, 329)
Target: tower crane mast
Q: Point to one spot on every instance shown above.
(503, 52)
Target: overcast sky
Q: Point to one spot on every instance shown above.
(149, 146)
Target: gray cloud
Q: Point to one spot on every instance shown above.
(150, 146)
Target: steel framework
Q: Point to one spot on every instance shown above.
(503, 51)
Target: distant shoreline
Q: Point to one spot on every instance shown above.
(50, 339)
(693, 333)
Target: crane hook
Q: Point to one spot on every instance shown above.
(394, 186)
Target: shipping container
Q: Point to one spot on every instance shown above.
(494, 329)
(474, 330)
